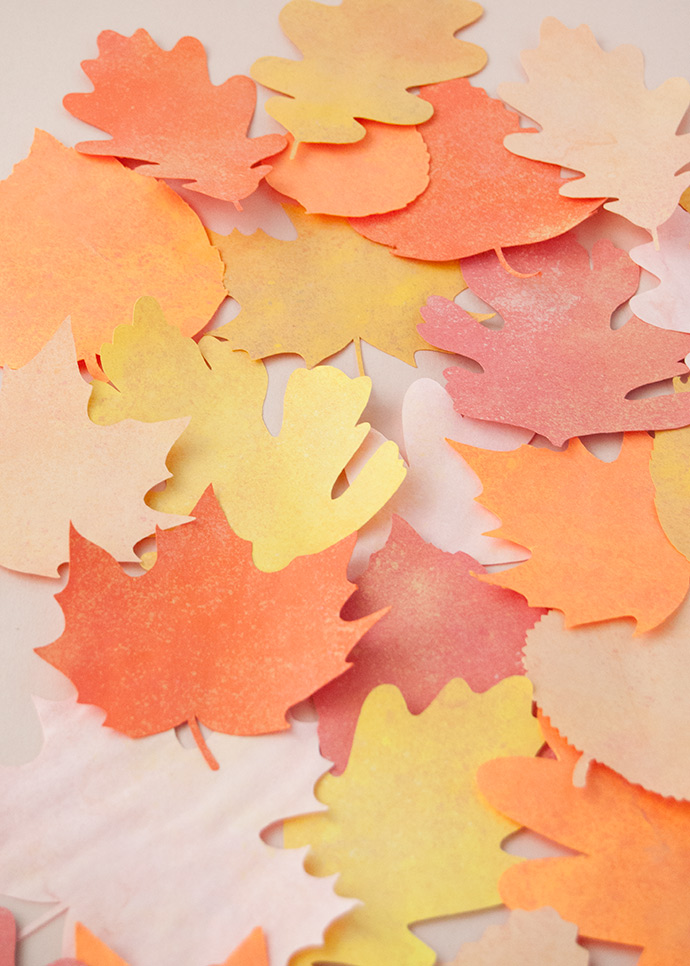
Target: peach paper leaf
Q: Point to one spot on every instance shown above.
(86, 237)
(598, 550)
(161, 107)
(176, 831)
(557, 367)
(666, 305)
(598, 117)
(359, 58)
(480, 196)
(629, 883)
(410, 791)
(251, 951)
(539, 938)
(669, 468)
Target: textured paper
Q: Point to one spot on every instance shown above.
(56, 466)
(598, 550)
(539, 938)
(557, 367)
(160, 106)
(480, 196)
(666, 305)
(86, 237)
(251, 952)
(405, 827)
(119, 820)
(387, 169)
(315, 295)
(669, 468)
(442, 624)
(598, 117)
(629, 883)
(358, 59)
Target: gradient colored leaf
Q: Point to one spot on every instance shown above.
(539, 938)
(666, 305)
(251, 951)
(669, 467)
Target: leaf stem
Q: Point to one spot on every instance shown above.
(201, 743)
(360, 358)
(502, 259)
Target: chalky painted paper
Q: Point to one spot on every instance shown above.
(666, 305)
(251, 951)
(539, 938)
(669, 467)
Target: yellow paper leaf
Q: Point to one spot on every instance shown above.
(359, 58)
(275, 490)
(670, 469)
(406, 828)
(330, 286)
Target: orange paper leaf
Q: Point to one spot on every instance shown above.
(92, 952)
(161, 107)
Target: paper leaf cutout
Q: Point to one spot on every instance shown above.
(8, 942)
(161, 107)
(557, 367)
(56, 466)
(387, 169)
(629, 885)
(622, 700)
(359, 58)
(669, 469)
(598, 551)
(599, 118)
(275, 490)
(666, 305)
(176, 831)
(251, 952)
(480, 196)
(284, 288)
(409, 791)
(442, 624)
(539, 938)
(86, 237)
(203, 633)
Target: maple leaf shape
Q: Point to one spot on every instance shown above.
(669, 469)
(8, 942)
(666, 304)
(86, 237)
(275, 490)
(442, 624)
(440, 828)
(620, 699)
(558, 337)
(161, 107)
(599, 118)
(56, 466)
(369, 295)
(359, 58)
(203, 632)
(129, 820)
(525, 939)
(480, 196)
(574, 511)
(251, 952)
(628, 885)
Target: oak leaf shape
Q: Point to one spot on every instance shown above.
(57, 466)
(109, 823)
(598, 117)
(628, 885)
(86, 237)
(161, 107)
(288, 289)
(443, 624)
(539, 938)
(359, 59)
(203, 635)
(480, 196)
(409, 792)
(666, 305)
(8, 943)
(669, 469)
(557, 367)
(598, 550)
(275, 490)
(251, 951)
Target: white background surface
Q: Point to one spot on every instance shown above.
(41, 45)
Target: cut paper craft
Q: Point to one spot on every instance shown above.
(598, 117)
(8, 943)
(275, 490)
(359, 58)
(443, 624)
(251, 952)
(685, 199)
(129, 820)
(539, 938)
(621, 700)
(629, 883)
(387, 169)
(405, 826)
(669, 468)
(557, 367)
(598, 551)
(666, 305)
(480, 196)
(203, 635)
(288, 289)
(161, 107)
(86, 237)
(56, 466)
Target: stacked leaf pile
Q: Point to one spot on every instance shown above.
(516, 651)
